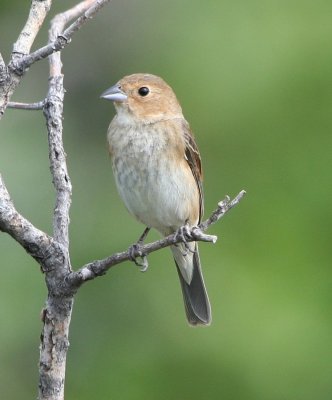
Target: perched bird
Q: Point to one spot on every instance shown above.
(157, 169)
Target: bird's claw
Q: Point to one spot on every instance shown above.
(184, 233)
(135, 252)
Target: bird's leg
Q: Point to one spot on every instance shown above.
(183, 233)
(135, 251)
(143, 235)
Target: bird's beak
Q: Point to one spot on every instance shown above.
(114, 93)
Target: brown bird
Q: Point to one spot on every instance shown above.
(157, 169)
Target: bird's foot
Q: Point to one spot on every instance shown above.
(184, 233)
(135, 252)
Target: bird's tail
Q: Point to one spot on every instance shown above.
(196, 301)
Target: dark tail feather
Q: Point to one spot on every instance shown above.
(195, 297)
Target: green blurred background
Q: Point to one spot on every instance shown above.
(254, 80)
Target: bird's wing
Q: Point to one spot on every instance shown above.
(194, 161)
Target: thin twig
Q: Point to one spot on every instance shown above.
(64, 38)
(21, 60)
(26, 106)
(58, 24)
(223, 207)
(100, 267)
(11, 76)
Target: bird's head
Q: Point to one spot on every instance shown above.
(144, 97)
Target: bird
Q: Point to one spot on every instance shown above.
(157, 168)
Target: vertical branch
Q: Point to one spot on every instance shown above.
(37, 14)
(3, 71)
(58, 309)
(53, 112)
(57, 313)
(54, 346)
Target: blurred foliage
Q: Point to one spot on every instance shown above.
(254, 79)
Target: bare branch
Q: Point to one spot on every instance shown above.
(57, 312)
(37, 243)
(86, 10)
(53, 113)
(38, 11)
(26, 106)
(21, 61)
(61, 181)
(223, 207)
(3, 71)
(10, 77)
(100, 267)
(65, 37)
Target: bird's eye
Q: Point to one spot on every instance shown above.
(143, 91)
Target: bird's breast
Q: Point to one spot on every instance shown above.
(155, 185)
(136, 156)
